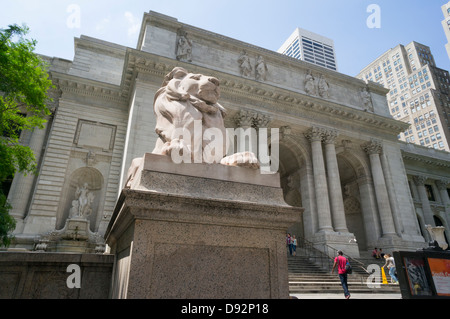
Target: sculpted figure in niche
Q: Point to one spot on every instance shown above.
(85, 199)
(74, 211)
(186, 106)
(244, 64)
(184, 47)
(310, 87)
(261, 69)
(366, 99)
(323, 87)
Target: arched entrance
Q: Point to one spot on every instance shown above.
(292, 162)
(349, 170)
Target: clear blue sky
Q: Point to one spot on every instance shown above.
(264, 23)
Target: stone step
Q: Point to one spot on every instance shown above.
(306, 277)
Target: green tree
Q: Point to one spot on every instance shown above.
(24, 85)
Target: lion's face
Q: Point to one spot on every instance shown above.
(203, 87)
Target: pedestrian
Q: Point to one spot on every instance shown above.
(340, 261)
(294, 245)
(375, 253)
(390, 263)
(289, 243)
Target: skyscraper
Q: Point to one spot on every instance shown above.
(419, 93)
(446, 25)
(310, 47)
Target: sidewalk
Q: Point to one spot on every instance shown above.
(341, 296)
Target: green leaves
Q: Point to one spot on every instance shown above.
(7, 223)
(24, 86)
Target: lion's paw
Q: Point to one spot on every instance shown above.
(243, 159)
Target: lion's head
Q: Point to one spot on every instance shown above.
(201, 90)
(184, 100)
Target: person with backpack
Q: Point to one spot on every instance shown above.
(341, 262)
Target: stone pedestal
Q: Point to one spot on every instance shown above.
(200, 231)
(437, 234)
(75, 237)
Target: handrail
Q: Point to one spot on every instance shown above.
(311, 248)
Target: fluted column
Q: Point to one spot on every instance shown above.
(334, 183)
(426, 207)
(315, 136)
(373, 149)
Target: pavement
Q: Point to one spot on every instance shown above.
(341, 296)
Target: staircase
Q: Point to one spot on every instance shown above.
(307, 277)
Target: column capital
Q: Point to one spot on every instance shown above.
(442, 184)
(330, 136)
(372, 147)
(419, 180)
(261, 120)
(315, 134)
(244, 119)
(247, 119)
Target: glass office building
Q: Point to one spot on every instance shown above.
(310, 47)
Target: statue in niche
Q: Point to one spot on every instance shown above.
(366, 99)
(323, 87)
(74, 211)
(81, 207)
(184, 47)
(310, 87)
(245, 65)
(261, 69)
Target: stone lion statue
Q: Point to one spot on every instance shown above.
(184, 101)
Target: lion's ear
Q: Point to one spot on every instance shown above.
(177, 73)
(174, 92)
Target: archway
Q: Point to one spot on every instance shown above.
(349, 169)
(291, 160)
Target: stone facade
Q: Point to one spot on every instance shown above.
(45, 276)
(338, 150)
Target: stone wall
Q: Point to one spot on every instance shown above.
(45, 275)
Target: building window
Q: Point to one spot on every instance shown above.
(430, 193)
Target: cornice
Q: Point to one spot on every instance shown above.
(81, 86)
(426, 160)
(289, 102)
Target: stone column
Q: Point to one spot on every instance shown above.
(426, 207)
(334, 183)
(442, 186)
(373, 149)
(315, 136)
(392, 194)
(368, 207)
